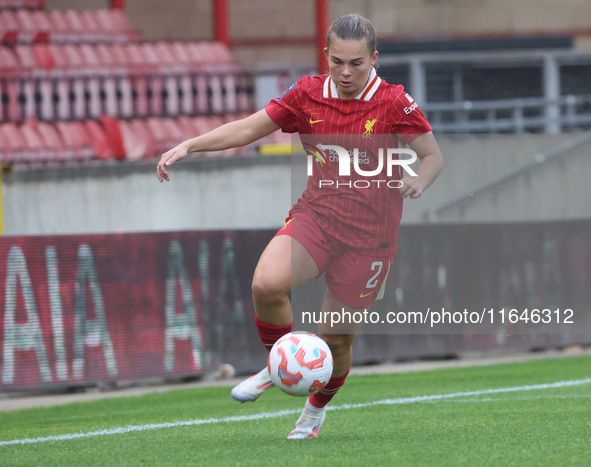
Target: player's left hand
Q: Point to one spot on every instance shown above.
(411, 188)
(177, 153)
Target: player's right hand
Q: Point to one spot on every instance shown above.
(177, 153)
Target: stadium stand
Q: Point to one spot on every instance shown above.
(80, 66)
(82, 85)
(69, 26)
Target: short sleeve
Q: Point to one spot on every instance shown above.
(410, 122)
(284, 110)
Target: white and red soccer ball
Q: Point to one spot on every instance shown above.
(300, 363)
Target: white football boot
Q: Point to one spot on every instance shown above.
(309, 423)
(251, 388)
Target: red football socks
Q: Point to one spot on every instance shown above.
(271, 333)
(324, 396)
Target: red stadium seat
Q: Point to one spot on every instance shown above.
(200, 53)
(140, 73)
(185, 78)
(171, 70)
(162, 137)
(60, 28)
(155, 84)
(216, 102)
(93, 28)
(44, 81)
(173, 130)
(61, 81)
(106, 21)
(26, 22)
(26, 58)
(200, 79)
(220, 72)
(74, 71)
(187, 127)
(28, 79)
(124, 88)
(220, 54)
(43, 56)
(14, 144)
(113, 132)
(202, 125)
(35, 150)
(53, 142)
(41, 20)
(203, 51)
(109, 86)
(92, 72)
(120, 19)
(9, 79)
(137, 140)
(81, 28)
(99, 141)
(4, 149)
(117, 24)
(76, 140)
(133, 146)
(76, 24)
(141, 129)
(223, 62)
(9, 21)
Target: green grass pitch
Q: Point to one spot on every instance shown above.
(535, 413)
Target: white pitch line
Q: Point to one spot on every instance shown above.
(281, 413)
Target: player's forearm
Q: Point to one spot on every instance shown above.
(429, 169)
(234, 134)
(431, 158)
(230, 135)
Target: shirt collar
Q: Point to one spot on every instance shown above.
(330, 88)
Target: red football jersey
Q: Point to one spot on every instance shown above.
(359, 211)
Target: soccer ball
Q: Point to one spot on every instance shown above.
(300, 363)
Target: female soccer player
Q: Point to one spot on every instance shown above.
(347, 230)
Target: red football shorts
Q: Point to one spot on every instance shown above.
(355, 279)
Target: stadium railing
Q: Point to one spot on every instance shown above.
(570, 113)
(556, 109)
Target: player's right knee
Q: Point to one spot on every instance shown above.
(267, 290)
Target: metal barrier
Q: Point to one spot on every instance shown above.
(559, 106)
(531, 115)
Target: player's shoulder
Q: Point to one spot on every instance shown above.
(316, 79)
(397, 96)
(391, 91)
(311, 83)
(303, 85)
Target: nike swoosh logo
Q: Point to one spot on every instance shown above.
(363, 295)
(315, 121)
